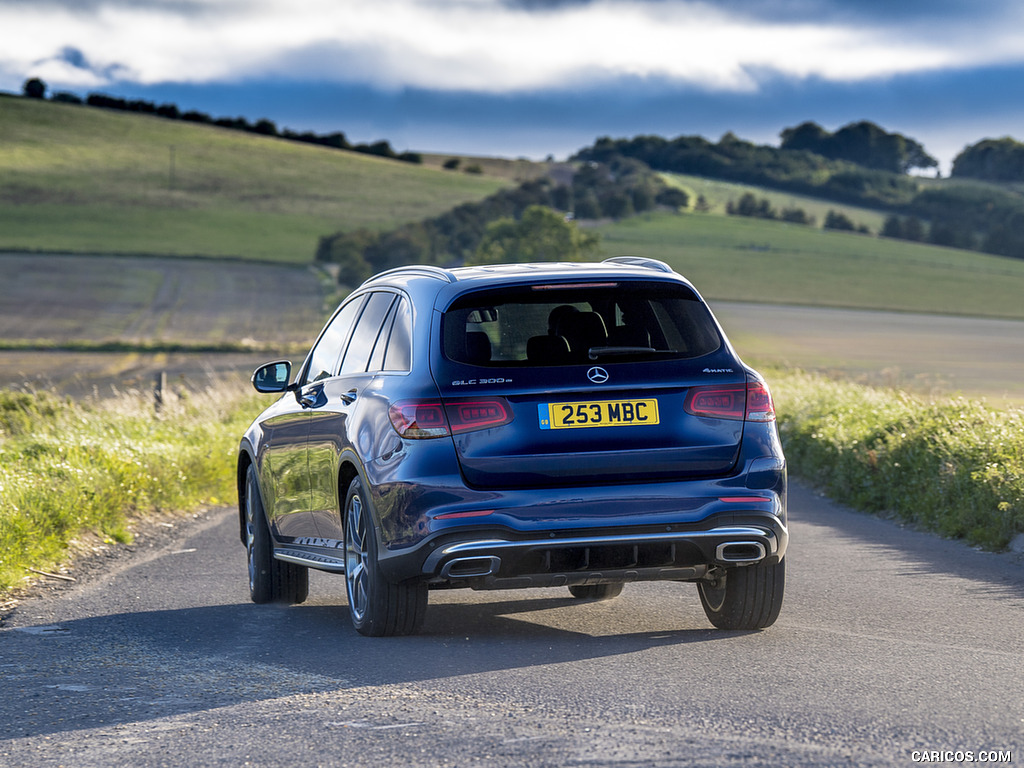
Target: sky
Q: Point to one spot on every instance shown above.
(533, 78)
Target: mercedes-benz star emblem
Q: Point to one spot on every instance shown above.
(597, 375)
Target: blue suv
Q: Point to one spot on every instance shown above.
(523, 425)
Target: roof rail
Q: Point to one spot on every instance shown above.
(640, 261)
(423, 270)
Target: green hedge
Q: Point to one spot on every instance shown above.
(954, 466)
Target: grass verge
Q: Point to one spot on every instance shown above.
(68, 468)
(954, 466)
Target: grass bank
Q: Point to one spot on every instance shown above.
(68, 468)
(954, 466)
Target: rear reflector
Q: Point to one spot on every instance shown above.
(422, 419)
(750, 402)
(473, 513)
(743, 499)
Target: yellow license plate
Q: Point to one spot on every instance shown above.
(603, 413)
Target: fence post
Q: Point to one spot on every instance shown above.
(158, 391)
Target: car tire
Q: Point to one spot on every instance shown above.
(270, 580)
(596, 591)
(745, 597)
(378, 607)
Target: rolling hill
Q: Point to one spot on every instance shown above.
(77, 179)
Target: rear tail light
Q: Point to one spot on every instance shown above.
(420, 419)
(749, 402)
(759, 402)
(717, 402)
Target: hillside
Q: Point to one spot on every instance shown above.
(740, 259)
(87, 180)
(79, 179)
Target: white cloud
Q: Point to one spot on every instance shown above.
(477, 45)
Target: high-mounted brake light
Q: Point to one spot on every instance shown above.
(422, 419)
(565, 286)
(749, 402)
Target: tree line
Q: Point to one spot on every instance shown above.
(493, 229)
(958, 213)
(36, 88)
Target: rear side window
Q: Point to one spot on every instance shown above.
(555, 325)
(366, 332)
(399, 352)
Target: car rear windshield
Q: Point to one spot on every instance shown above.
(550, 325)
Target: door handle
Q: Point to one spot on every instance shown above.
(308, 398)
(350, 397)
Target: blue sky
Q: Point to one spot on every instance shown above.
(537, 77)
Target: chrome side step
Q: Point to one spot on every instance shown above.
(310, 559)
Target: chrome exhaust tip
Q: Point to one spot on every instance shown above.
(740, 552)
(470, 567)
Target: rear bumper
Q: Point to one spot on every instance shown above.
(501, 559)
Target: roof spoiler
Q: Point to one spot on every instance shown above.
(640, 261)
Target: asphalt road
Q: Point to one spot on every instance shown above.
(890, 642)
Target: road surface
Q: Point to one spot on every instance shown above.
(891, 643)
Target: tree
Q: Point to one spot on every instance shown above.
(587, 205)
(839, 220)
(265, 127)
(540, 235)
(863, 143)
(673, 197)
(34, 88)
(617, 205)
(807, 136)
(170, 111)
(751, 206)
(991, 160)
(797, 216)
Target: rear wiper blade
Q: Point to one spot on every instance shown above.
(596, 352)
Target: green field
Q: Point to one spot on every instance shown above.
(742, 259)
(78, 179)
(718, 194)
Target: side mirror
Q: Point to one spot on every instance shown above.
(273, 377)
